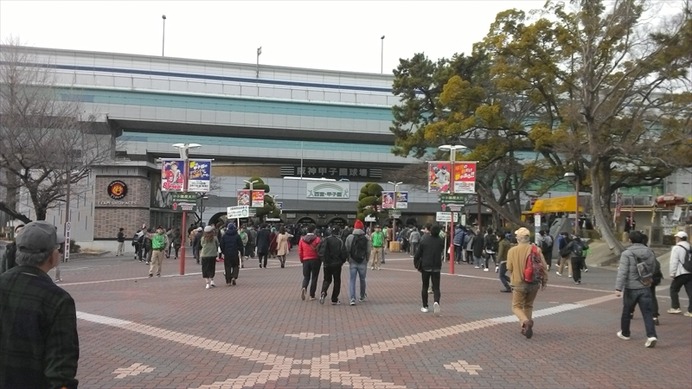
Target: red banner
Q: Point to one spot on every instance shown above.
(464, 177)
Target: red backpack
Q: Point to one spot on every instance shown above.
(534, 272)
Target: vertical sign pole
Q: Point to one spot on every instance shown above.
(184, 221)
(452, 155)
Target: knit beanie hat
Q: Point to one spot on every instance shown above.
(359, 225)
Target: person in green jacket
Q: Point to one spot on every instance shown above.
(158, 244)
(378, 239)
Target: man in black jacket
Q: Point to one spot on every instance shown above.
(332, 252)
(428, 261)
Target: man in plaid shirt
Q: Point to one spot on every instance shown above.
(38, 320)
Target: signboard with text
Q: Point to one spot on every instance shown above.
(328, 190)
(199, 175)
(394, 200)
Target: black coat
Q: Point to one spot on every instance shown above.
(332, 251)
(231, 245)
(263, 240)
(428, 257)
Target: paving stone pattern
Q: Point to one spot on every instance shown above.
(171, 332)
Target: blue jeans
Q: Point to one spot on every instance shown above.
(630, 298)
(361, 270)
(503, 277)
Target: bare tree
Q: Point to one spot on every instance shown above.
(48, 141)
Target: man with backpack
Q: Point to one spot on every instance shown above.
(358, 248)
(681, 273)
(545, 242)
(333, 255)
(634, 283)
(577, 249)
(524, 291)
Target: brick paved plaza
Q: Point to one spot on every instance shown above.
(171, 332)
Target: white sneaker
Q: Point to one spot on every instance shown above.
(497, 269)
(424, 309)
(674, 310)
(688, 314)
(207, 287)
(558, 274)
(485, 269)
(650, 342)
(623, 337)
(436, 309)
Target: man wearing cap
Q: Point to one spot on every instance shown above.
(158, 244)
(523, 293)
(680, 276)
(38, 320)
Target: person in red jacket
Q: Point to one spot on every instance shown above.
(309, 257)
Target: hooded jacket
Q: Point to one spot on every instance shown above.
(349, 242)
(628, 277)
(231, 244)
(307, 248)
(677, 258)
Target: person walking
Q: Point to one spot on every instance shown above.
(358, 248)
(545, 242)
(282, 245)
(524, 293)
(681, 277)
(503, 248)
(577, 250)
(428, 261)
(414, 240)
(262, 243)
(232, 248)
(38, 319)
(208, 254)
(478, 246)
(158, 244)
(332, 252)
(562, 241)
(309, 257)
(121, 242)
(636, 292)
(197, 243)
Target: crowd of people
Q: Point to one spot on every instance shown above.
(47, 355)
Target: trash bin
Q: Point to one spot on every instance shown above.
(394, 247)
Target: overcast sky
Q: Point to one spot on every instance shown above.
(336, 35)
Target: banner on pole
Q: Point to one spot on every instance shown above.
(172, 171)
(199, 175)
(257, 199)
(464, 177)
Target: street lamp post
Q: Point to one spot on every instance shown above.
(184, 150)
(396, 190)
(259, 52)
(575, 179)
(163, 36)
(382, 55)
(252, 184)
(452, 158)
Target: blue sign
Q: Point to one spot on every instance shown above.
(199, 175)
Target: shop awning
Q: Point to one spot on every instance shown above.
(558, 204)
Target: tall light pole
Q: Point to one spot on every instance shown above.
(259, 52)
(575, 180)
(396, 191)
(163, 36)
(184, 150)
(452, 158)
(382, 54)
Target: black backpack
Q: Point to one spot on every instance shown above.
(687, 262)
(359, 248)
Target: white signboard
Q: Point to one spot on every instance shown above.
(328, 190)
(443, 217)
(238, 212)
